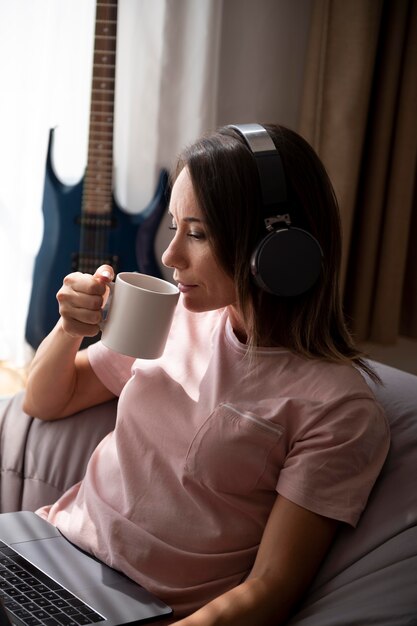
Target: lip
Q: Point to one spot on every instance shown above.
(184, 288)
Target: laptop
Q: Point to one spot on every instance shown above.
(46, 580)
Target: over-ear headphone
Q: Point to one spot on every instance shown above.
(287, 260)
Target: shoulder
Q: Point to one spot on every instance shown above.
(337, 442)
(337, 396)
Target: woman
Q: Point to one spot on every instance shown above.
(253, 433)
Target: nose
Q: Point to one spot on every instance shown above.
(172, 257)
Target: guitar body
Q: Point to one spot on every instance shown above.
(129, 247)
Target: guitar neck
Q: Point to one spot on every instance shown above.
(97, 194)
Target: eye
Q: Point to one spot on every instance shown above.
(197, 235)
(173, 225)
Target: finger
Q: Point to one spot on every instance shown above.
(79, 329)
(79, 300)
(83, 283)
(104, 273)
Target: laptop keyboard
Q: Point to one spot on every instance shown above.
(35, 598)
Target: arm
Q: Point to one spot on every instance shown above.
(293, 545)
(61, 381)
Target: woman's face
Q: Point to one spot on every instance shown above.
(203, 283)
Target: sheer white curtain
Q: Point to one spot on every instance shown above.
(45, 53)
(183, 66)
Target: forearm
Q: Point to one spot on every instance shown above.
(52, 375)
(249, 604)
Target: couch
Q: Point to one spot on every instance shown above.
(369, 577)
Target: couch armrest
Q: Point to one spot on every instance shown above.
(41, 459)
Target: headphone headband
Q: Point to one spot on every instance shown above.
(287, 260)
(269, 164)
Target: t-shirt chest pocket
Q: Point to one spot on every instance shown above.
(235, 451)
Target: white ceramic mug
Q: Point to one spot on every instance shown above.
(138, 315)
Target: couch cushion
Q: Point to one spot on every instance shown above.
(41, 459)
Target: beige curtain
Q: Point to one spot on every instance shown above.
(359, 112)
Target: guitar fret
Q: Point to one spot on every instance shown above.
(94, 201)
(96, 219)
(97, 205)
(91, 194)
(99, 201)
(101, 138)
(100, 65)
(107, 53)
(99, 179)
(94, 204)
(100, 131)
(98, 184)
(96, 93)
(100, 126)
(100, 158)
(103, 91)
(100, 134)
(102, 101)
(97, 109)
(104, 208)
(94, 189)
(101, 148)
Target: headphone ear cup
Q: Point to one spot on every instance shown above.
(287, 262)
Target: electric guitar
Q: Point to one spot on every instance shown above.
(83, 225)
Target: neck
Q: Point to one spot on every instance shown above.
(237, 324)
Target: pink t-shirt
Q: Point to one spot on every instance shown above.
(177, 497)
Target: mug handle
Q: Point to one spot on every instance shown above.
(106, 308)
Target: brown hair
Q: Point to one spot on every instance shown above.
(226, 184)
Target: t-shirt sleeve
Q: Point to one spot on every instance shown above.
(112, 368)
(334, 462)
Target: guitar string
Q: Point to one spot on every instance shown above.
(101, 185)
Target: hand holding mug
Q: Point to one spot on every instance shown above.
(81, 300)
